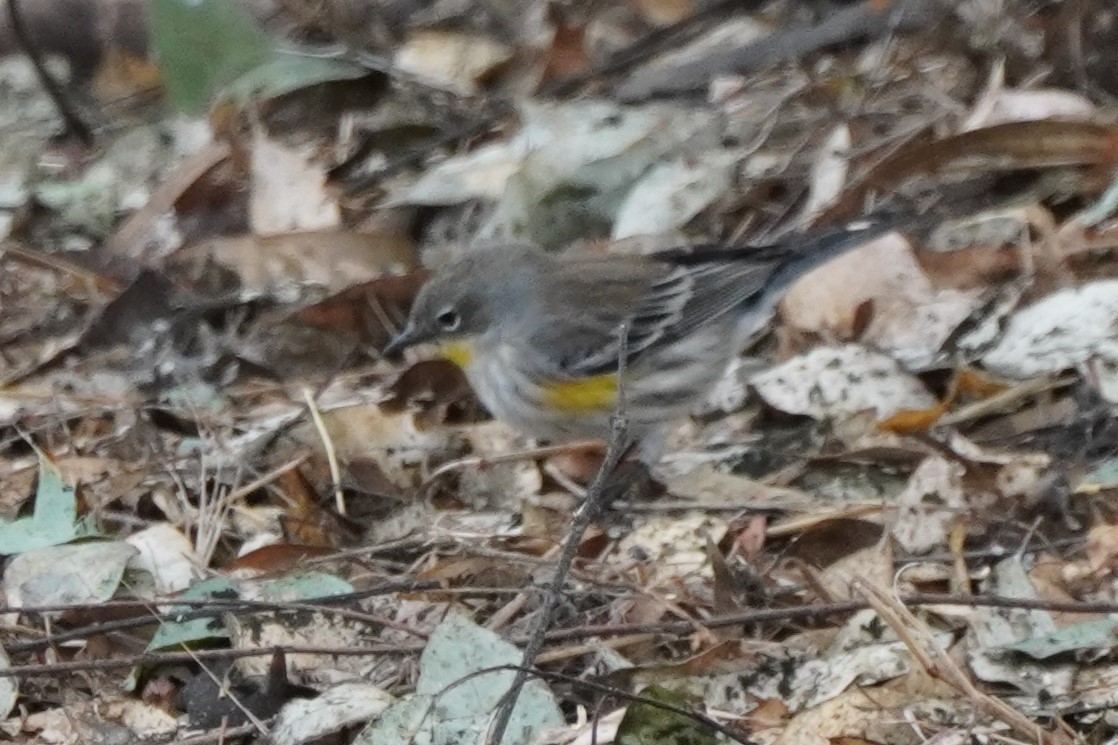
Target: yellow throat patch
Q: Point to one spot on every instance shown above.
(595, 393)
(458, 352)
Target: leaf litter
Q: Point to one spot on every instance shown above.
(205, 455)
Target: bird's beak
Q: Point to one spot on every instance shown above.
(406, 338)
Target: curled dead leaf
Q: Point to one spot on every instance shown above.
(1016, 146)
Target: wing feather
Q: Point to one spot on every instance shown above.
(684, 298)
(687, 289)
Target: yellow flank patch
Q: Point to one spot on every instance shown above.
(458, 352)
(589, 394)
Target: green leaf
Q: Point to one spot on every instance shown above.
(80, 573)
(288, 71)
(173, 634)
(54, 522)
(203, 46)
(306, 585)
(457, 693)
(645, 724)
(1098, 633)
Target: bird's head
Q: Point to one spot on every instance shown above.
(482, 293)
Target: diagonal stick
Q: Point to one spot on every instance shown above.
(619, 443)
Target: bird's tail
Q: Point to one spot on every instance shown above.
(798, 255)
(801, 254)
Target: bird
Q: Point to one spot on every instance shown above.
(539, 335)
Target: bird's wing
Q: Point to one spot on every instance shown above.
(681, 299)
(693, 287)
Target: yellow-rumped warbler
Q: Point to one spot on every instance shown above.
(537, 334)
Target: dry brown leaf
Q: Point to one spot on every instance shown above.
(928, 505)
(304, 521)
(500, 485)
(123, 75)
(1102, 549)
(429, 388)
(455, 59)
(970, 267)
(578, 464)
(128, 250)
(848, 714)
(546, 519)
(920, 420)
(331, 259)
(392, 440)
(321, 337)
(729, 594)
(914, 420)
(17, 484)
(478, 571)
(663, 12)
(722, 658)
(828, 536)
(1006, 147)
(911, 317)
(288, 189)
(566, 56)
(362, 310)
(874, 563)
(768, 714)
(66, 302)
(750, 540)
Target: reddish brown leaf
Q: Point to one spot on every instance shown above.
(354, 310)
(913, 421)
(1001, 148)
(304, 521)
(278, 558)
(566, 57)
(429, 384)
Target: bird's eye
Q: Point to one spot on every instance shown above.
(448, 319)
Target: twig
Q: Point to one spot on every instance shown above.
(206, 608)
(209, 608)
(764, 615)
(485, 461)
(220, 736)
(1003, 400)
(653, 42)
(939, 664)
(153, 659)
(75, 125)
(860, 21)
(607, 690)
(328, 446)
(824, 610)
(597, 645)
(618, 445)
(125, 245)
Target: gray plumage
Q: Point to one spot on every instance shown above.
(537, 319)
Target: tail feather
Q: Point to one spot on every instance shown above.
(816, 250)
(824, 244)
